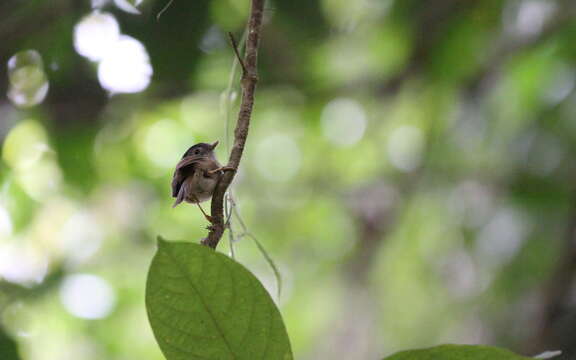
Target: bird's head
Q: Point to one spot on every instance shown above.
(201, 149)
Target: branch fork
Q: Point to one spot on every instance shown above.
(248, 83)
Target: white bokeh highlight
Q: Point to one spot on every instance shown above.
(502, 237)
(21, 263)
(123, 62)
(343, 122)
(81, 237)
(532, 15)
(127, 68)
(278, 158)
(405, 147)
(87, 296)
(126, 6)
(95, 35)
(5, 223)
(96, 4)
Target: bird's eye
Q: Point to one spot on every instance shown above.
(197, 152)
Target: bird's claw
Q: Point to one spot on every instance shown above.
(221, 169)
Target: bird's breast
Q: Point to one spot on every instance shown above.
(201, 190)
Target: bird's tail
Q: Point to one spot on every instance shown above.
(180, 197)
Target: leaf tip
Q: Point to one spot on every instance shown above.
(161, 241)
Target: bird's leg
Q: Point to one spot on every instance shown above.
(222, 168)
(208, 217)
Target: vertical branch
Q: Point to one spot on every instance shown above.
(248, 82)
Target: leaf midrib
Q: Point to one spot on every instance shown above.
(204, 304)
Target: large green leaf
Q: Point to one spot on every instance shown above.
(457, 352)
(203, 305)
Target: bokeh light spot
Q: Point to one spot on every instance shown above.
(22, 263)
(502, 237)
(127, 6)
(278, 158)
(343, 122)
(24, 145)
(405, 147)
(212, 40)
(5, 223)
(95, 35)
(562, 84)
(96, 4)
(87, 296)
(26, 150)
(124, 65)
(127, 68)
(81, 237)
(532, 15)
(28, 81)
(164, 143)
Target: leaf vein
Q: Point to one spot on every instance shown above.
(253, 303)
(186, 351)
(269, 332)
(171, 326)
(205, 305)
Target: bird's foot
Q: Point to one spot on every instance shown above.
(208, 217)
(222, 168)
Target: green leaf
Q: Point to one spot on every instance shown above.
(8, 347)
(457, 352)
(203, 305)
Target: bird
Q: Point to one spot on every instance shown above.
(196, 176)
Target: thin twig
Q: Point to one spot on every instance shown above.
(249, 80)
(228, 224)
(235, 47)
(246, 232)
(227, 99)
(228, 208)
(270, 262)
(164, 10)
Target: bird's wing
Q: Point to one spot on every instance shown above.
(184, 168)
(188, 161)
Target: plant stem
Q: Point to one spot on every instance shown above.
(248, 82)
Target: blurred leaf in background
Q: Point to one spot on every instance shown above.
(457, 352)
(8, 347)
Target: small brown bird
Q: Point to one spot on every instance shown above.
(196, 175)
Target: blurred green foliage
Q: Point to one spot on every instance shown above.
(8, 347)
(409, 168)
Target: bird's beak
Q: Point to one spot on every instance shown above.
(214, 145)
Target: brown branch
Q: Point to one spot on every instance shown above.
(249, 80)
